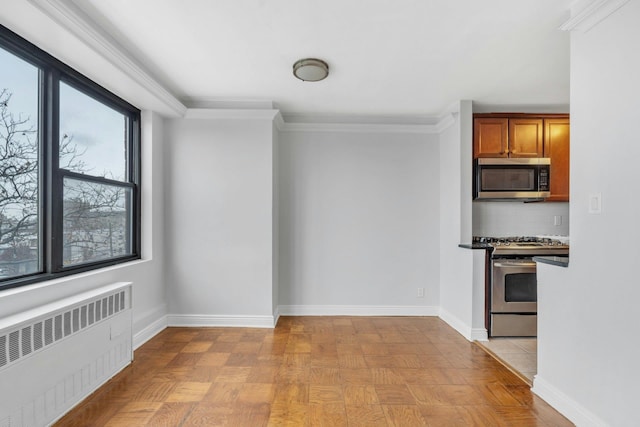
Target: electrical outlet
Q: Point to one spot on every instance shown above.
(557, 220)
(420, 292)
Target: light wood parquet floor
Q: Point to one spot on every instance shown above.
(315, 371)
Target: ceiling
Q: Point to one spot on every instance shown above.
(391, 58)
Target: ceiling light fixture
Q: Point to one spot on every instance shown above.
(311, 70)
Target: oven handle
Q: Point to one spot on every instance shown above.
(514, 264)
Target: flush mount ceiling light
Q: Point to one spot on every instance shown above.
(311, 69)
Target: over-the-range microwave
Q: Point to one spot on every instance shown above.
(511, 178)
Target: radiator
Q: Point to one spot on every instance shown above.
(54, 356)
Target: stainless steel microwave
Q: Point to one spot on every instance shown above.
(512, 178)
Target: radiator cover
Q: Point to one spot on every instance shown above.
(54, 356)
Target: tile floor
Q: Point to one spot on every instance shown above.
(519, 354)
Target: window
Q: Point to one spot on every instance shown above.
(69, 169)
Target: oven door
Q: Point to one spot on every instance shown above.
(514, 286)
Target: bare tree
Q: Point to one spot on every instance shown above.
(94, 217)
(19, 194)
(18, 181)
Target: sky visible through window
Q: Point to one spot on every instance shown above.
(19, 167)
(19, 81)
(97, 130)
(93, 140)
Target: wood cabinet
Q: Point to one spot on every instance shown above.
(490, 137)
(507, 137)
(525, 138)
(527, 135)
(556, 147)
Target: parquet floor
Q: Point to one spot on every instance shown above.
(315, 371)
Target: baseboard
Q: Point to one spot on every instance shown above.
(471, 334)
(149, 324)
(564, 404)
(356, 310)
(276, 316)
(149, 331)
(185, 320)
(457, 324)
(479, 334)
(220, 321)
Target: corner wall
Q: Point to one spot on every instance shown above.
(461, 270)
(588, 313)
(359, 222)
(220, 238)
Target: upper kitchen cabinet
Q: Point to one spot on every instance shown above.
(556, 147)
(507, 137)
(525, 138)
(490, 137)
(527, 135)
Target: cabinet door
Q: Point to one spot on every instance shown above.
(525, 138)
(490, 137)
(556, 147)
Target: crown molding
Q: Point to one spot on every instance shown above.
(358, 128)
(279, 121)
(230, 114)
(74, 20)
(263, 109)
(344, 118)
(446, 121)
(228, 103)
(297, 122)
(591, 14)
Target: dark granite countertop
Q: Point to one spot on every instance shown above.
(475, 246)
(560, 261)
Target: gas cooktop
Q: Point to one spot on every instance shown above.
(524, 246)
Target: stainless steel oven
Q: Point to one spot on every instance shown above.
(512, 287)
(514, 297)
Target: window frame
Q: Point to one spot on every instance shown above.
(51, 177)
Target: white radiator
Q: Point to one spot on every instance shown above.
(54, 356)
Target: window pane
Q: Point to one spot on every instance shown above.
(93, 137)
(96, 224)
(19, 175)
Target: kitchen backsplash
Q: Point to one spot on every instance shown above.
(499, 219)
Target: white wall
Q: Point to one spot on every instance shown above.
(220, 215)
(461, 270)
(150, 291)
(588, 313)
(499, 219)
(359, 222)
(275, 223)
